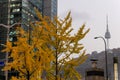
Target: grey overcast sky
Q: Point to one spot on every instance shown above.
(93, 13)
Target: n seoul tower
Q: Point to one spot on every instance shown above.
(107, 34)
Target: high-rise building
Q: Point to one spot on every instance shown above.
(50, 8)
(14, 11)
(22, 11)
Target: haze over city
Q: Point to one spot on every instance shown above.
(93, 13)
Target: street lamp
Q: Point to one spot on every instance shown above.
(8, 30)
(105, 54)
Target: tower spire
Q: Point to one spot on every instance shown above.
(107, 34)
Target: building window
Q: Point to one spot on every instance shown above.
(12, 5)
(11, 21)
(15, 10)
(11, 16)
(13, 0)
(15, 5)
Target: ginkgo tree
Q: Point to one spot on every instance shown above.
(64, 45)
(48, 47)
(30, 56)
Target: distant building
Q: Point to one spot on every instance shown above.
(113, 64)
(94, 73)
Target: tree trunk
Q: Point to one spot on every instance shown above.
(56, 75)
(28, 75)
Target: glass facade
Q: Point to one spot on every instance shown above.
(14, 11)
(28, 13)
(53, 8)
(50, 8)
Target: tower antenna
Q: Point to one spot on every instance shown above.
(107, 34)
